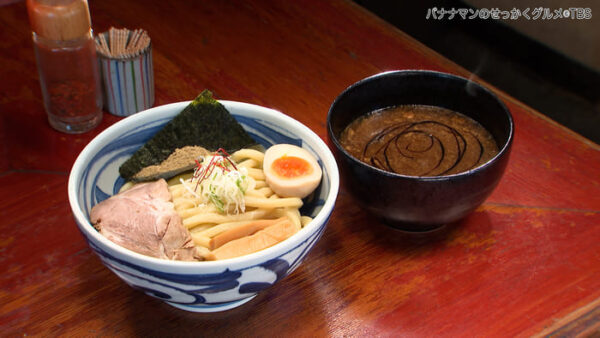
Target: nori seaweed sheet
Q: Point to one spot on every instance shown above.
(204, 122)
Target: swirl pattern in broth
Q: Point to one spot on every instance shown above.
(418, 140)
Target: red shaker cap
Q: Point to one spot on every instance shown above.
(59, 19)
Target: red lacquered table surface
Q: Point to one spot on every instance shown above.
(526, 262)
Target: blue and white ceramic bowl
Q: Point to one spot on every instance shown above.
(198, 286)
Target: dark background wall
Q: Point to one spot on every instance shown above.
(559, 85)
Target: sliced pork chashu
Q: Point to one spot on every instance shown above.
(144, 220)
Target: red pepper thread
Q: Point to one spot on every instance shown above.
(201, 173)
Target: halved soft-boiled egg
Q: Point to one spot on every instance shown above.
(291, 171)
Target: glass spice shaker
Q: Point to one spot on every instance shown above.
(66, 58)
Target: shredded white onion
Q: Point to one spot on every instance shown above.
(225, 188)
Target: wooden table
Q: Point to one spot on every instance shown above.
(526, 262)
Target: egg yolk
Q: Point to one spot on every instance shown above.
(291, 166)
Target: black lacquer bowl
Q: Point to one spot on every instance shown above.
(415, 203)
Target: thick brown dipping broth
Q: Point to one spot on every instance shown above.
(418, 140)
